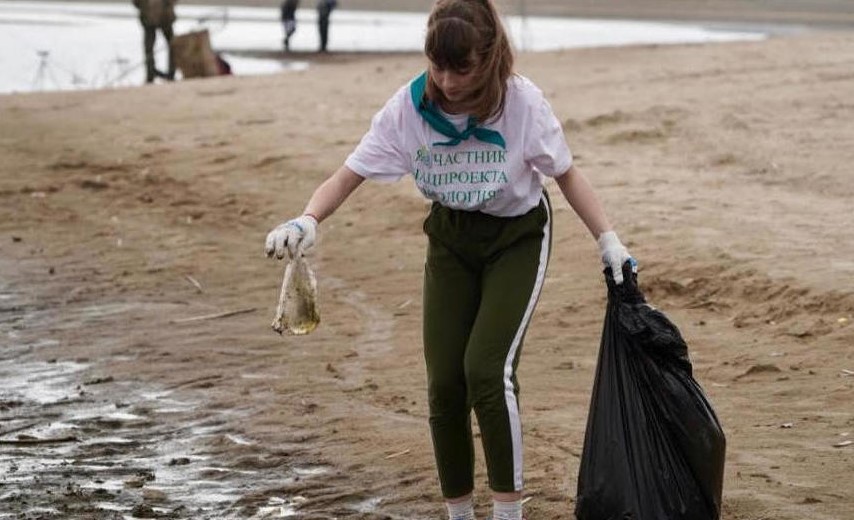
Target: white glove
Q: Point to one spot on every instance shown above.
(296, 234)
(614, 255)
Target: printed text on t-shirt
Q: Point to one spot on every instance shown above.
(454, 178)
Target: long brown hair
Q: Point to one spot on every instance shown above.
(457, 30)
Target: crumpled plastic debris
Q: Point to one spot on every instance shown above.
(297, 311)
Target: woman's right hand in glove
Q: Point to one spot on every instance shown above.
(296, 235)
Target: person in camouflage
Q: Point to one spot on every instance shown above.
(154, 15)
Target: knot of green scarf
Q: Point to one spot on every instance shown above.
(440, 123)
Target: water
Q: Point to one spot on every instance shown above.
(118, 448)
(61, 45)
(76, 446)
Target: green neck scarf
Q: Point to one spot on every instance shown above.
(440, 123)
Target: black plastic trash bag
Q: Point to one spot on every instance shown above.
(654, 449)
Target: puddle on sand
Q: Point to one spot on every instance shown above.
(106, 460)
(114, 451)
(117, 449)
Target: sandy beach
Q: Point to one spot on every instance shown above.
(132, 224)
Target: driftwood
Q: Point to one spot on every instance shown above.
(195, 283)
(214, 316)
(28, 442)
(18, 428)
(398, 454)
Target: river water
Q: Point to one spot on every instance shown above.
(70, 45)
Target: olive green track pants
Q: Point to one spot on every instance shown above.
(482, 279)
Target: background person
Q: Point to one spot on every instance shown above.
(289, 20)
(479, 141)
(324, 10)
(154, 15)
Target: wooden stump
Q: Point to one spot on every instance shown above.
(193, 55)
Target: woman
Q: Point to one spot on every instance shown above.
(479, 141)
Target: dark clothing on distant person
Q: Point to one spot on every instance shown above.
(154, 15)
(324, 9)
(289, 20)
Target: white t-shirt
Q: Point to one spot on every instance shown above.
(473, 175)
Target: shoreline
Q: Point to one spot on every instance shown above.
(818, 14)
(250, 38)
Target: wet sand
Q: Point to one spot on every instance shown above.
(141, 375)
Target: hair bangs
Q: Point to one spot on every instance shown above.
(464, 35)
(451, 44)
